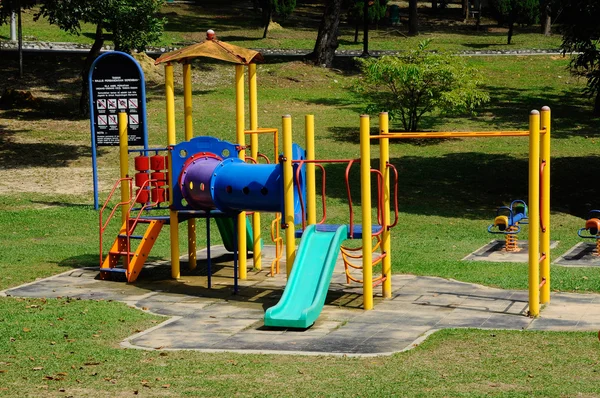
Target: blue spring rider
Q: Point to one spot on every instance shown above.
(507, 222)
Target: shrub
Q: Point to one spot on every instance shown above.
(418, 82)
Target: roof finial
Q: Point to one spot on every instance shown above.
(210, 34)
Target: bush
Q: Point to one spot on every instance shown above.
(411, 85)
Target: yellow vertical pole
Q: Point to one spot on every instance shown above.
(534, 213)
(545, 207)
(174, 222)
(124, 165)
(384, 159)
(365, 197)
(189, 133)
(253, 108)
(288, 194)
(241, 140)
(311, 189)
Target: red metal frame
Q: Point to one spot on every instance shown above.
(542, 167)
(129, 226)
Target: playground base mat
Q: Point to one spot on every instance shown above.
(216, 320)
(494, 252)
(580, 255)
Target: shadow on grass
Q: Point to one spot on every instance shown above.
(84, 260)
(571, 109)
(16, 155)
(473, 184)
(54, 203)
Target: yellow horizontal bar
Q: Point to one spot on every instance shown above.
(262, 130)
(455, 134)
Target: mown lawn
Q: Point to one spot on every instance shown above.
(449, 191)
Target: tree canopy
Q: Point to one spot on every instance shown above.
(133, 23)
(581, 36)
(418, 82)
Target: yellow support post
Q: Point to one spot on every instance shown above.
(189, 133)
(311, 189)
(288, 195)
(384, 159)
(174, 222)
(241, 140)
(545, 207)
(534, 213)
(253, 108)
(124, 166)
(365, 197)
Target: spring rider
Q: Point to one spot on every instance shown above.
(507, 222)
(592, 226)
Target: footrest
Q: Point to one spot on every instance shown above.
(131, 236)
(114, 270)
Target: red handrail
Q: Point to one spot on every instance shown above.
(104, 225)
(542, 167)
(389, 165)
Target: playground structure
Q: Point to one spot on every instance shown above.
(539, 190)
(209, 178)
(592, 227)
(204, 177)
(507, 222)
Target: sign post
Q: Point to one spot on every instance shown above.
(116, 84)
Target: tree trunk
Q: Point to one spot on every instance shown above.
(597, 104)
(267, 11)
(84, 99)
(413, 18)
(20, 37)
(365, 52)
(546, 19)
(465, 9)
(434, 5)
(511, 26)
(327, 42)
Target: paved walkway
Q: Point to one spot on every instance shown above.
(218, 320)
(40, 46)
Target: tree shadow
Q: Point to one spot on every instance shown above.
(571, 110)
(81, 261)
(472, 184)
(18, 155)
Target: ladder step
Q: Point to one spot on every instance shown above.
(122, 253)
(131, 236)
(114, 270)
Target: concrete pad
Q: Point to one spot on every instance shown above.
(494, 252)
(218, 320)
(580, 255)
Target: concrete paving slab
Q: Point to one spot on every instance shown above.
(494, 252)
(582, 254)
(218, 320)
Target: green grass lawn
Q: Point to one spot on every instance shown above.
(449, 191)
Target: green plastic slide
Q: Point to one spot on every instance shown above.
(227, 232)
(305, 292)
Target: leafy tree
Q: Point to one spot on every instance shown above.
(511, 12)
(581, 36)
(327, 43)
(133, 23)
(281, 8)
(418, 82)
